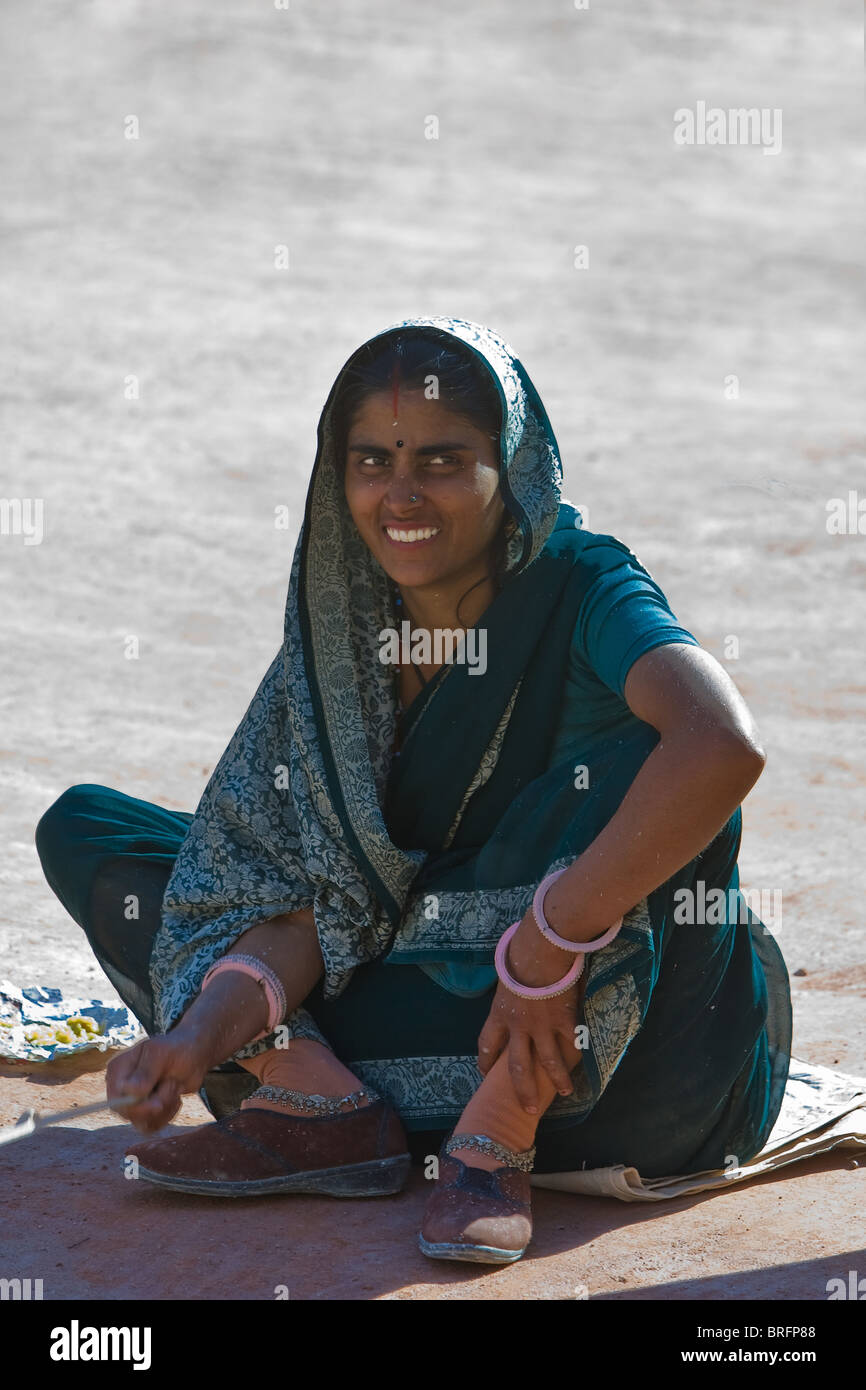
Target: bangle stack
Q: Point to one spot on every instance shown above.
(578, 948)
(263, 976)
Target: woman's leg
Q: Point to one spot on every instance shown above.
(107, 857)
(495, 1111)
(121, 918)
(90, 824)
(304, 1068)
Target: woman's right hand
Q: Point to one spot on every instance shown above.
(160, 1070)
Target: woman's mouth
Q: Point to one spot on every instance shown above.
(410, 536)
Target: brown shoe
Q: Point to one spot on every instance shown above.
(476, 1215)
(256, 1152)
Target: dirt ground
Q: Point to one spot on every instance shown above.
(163, 381)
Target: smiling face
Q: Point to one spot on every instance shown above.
(451, 467)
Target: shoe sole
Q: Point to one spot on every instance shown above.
(472, 1254)
(380, 1178)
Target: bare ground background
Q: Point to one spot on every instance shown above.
(154, 258)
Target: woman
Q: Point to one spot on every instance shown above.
(313, 950)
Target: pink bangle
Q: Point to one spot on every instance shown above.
(264, 976)
(524, 991)
(547, 930)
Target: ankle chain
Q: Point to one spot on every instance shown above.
(313, 1105)
(482, 1144)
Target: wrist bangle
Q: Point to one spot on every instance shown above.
(561, 941)
(524, 991)
(263, 976)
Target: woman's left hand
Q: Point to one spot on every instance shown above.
(535, 1031)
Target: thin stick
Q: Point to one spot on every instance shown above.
(57, 1115)
(31, 1120)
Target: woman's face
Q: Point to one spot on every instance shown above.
(449, 465)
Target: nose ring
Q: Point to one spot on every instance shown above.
(413, 499)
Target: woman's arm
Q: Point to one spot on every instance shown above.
(707, 759)
(233, 1009)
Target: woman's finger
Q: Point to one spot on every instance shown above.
(147, 1075)
(491, 1041)
(159, 1108)
(522, 1071)
(572, 1055)
(550, 1056)
(120, 1069)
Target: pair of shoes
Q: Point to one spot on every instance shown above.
(257, 1152)
(474, 1214)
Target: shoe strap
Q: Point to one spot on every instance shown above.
(483, 1144)
(313, 1104)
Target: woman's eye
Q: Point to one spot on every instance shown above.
(441, 460)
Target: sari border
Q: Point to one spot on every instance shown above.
(426, 1089)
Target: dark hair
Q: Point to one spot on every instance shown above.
(463, 383)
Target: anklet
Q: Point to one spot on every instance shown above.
(482, 1144)
(315, 1105)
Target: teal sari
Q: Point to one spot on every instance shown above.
(423, 859)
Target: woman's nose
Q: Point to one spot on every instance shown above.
(403, 489)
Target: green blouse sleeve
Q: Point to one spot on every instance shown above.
(623, 616)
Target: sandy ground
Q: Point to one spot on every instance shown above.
(153, 258)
